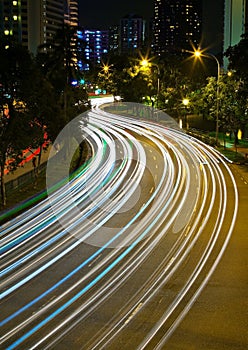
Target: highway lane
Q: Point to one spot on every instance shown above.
(122, 251)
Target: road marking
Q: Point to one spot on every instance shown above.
(171, 261)
(134, 313)
(93, 261)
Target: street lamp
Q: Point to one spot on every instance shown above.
(106, 68)
(185, 103)
(146, 63)
(198, 54)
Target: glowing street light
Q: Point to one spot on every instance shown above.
(198, 54)
(144, 63)
(185, 101)
(106, 68)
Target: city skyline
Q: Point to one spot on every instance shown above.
(102, 15)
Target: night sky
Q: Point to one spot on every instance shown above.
(100, 14)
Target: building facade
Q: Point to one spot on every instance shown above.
(235, 17)
(114, 38)
(97, 45)
(131, 34)
(71, 12)
(14, 21)
(51, 15)
(32, 23)
(235, 21)
(176, 25)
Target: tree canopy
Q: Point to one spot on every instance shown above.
(238, 58)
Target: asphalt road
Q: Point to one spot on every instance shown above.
(139, 251)
(219, 318)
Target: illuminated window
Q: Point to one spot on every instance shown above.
(6, 32)
(14, 3)
(15, 18)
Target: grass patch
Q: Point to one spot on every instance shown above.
(235, 157)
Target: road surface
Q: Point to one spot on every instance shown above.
(118, 256)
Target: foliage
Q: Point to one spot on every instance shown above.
(59, 57)
(58, 61)
(15, 62)
(238, 58)
(17, 129)
(38, 95)
(232, 102)
(17, 133)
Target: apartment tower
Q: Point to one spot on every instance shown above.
(176, 25)
(31, 22)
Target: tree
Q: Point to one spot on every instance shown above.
(15, 63)
(42, 107)
(58, 60)
(174, 86)
(17, 133)
(17, 130)
(233, 103)
(238, 58)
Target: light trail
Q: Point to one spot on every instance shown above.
(126, 153)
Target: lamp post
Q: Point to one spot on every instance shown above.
(198, 54)
(145, 63)
(185, 103)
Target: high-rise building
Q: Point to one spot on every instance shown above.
(14, 21)
(235, 16)
(51, 15)
(31, 23)
(176, 25)
(97, 45)
(132, 33)
(246, 17)
(114, 38)
(71, 12)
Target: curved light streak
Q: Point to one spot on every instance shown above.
(170, 195)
